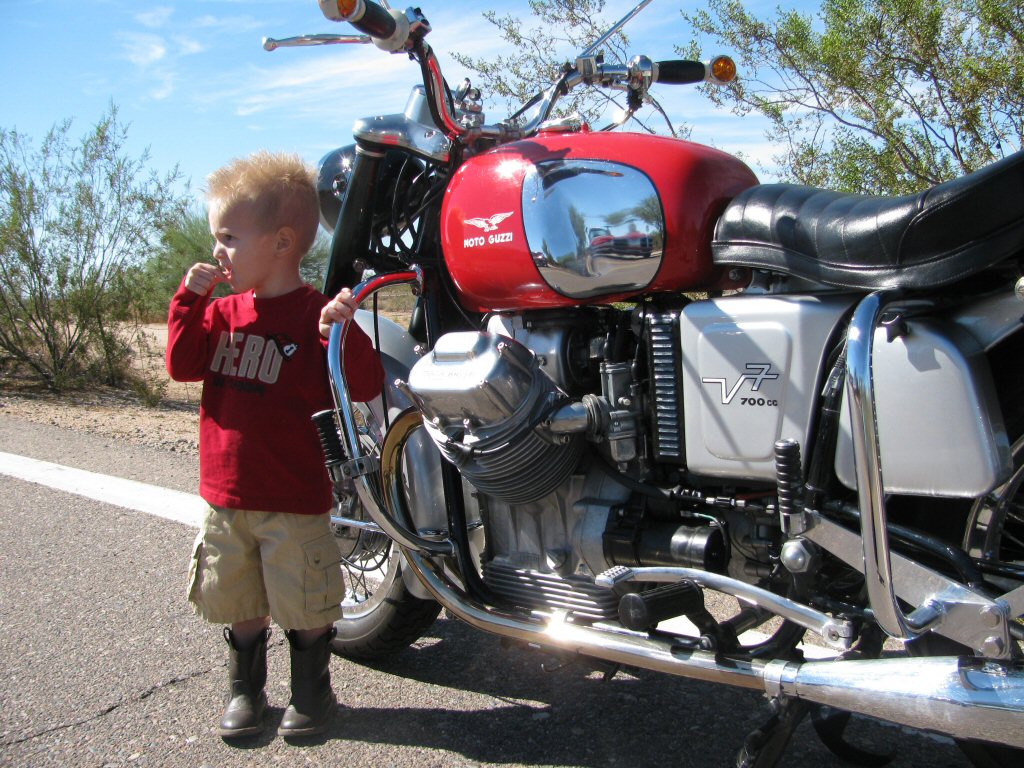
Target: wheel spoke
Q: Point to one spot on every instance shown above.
(1009, 537)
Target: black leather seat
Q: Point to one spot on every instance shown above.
(917, 241)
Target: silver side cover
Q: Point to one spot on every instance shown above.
(940, 428)
(752, 368)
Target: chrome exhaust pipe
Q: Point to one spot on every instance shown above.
(962, 697)
(966, 698)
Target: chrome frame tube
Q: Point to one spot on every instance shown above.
(368, 493)
(363, 525)
(868, 460)
(836, 632)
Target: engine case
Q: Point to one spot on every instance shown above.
(545, 554)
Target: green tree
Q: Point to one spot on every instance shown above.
(561, 29)
(877, 96)
(183, 242)
(76, 221)
(314, 265)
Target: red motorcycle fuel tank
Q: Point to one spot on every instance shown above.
(564, 219)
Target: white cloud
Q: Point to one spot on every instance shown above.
(187, 46)
(154, 18)
(142, 49)
(164, 86)
(229, 23)
(315, 85)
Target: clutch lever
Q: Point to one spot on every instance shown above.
(271, 44)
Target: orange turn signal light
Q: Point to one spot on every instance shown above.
(723, 69)
(342, 10)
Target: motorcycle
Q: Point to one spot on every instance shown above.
(652, 412)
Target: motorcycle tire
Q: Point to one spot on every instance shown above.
(396, 620)
(380, 615)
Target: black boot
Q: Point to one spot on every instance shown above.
(247, 673)
(313, 701)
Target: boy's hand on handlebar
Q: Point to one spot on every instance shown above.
(203, 277)
(341, 307)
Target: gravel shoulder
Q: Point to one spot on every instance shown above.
(172, 424)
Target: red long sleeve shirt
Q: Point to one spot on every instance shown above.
(264, 374)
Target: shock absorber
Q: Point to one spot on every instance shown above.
(330, 441)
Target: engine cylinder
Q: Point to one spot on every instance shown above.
(485, 400)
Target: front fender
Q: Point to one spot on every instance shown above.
(394, 340)
(422, 464)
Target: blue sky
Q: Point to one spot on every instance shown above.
(193, 83)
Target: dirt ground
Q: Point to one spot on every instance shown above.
(172, 424)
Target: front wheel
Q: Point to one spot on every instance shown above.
(379, 614)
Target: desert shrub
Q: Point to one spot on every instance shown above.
(77, 220)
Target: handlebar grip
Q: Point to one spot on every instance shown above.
(680, 71)
(365, 15)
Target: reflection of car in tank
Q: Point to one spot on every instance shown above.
(632, 245)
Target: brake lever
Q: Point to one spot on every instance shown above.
(271, 44)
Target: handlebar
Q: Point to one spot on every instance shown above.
(369, 18)
(679, 72)
(393, 30)
(389, 30)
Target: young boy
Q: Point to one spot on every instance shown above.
(265, 549)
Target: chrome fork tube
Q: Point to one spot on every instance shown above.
(359, 464)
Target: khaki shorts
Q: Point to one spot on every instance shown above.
(248, 564)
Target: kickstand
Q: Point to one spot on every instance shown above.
(764, 747)
(830, 725)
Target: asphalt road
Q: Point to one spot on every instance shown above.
(105, 665)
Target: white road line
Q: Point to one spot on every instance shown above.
(189, 509)
(181, 507)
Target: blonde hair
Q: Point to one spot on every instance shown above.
(280, 186)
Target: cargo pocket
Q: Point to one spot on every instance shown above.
(194, 571)
(324, 584)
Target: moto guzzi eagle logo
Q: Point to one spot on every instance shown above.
(758, 374)
(490, 223)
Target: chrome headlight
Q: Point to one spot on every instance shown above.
(335, 172)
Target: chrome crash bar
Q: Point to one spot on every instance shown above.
(360, 466)
(966, 612)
